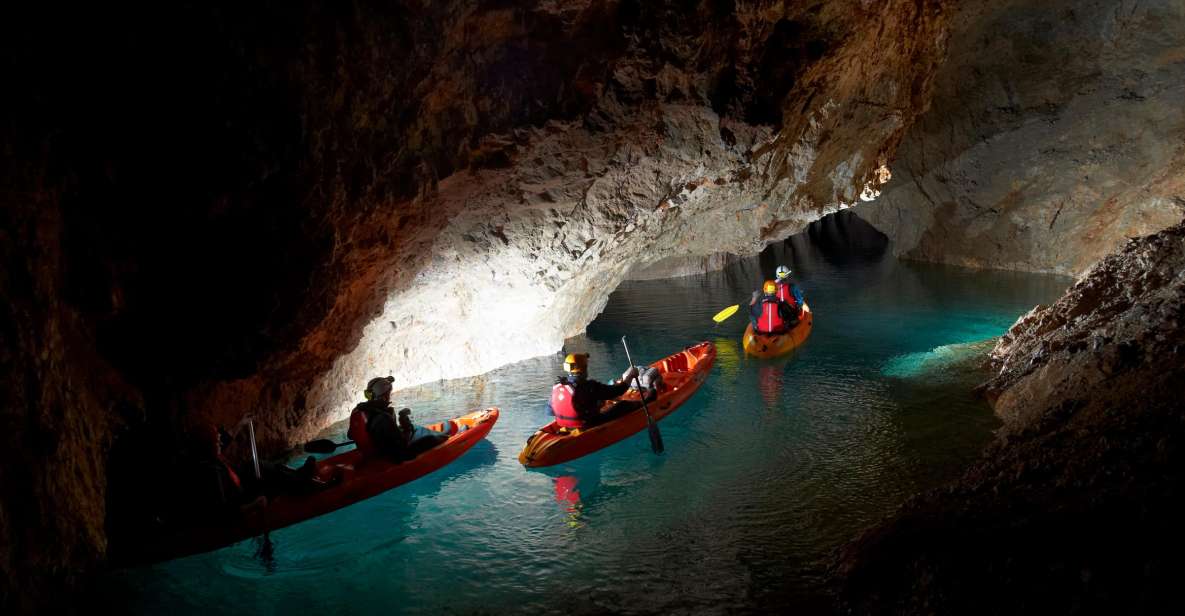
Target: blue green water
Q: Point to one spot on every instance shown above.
(768, 468)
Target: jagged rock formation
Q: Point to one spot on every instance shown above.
(1055, 133)
(1076, 507)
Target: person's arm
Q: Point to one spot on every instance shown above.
(602, 391)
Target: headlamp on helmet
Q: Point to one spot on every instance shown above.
(379, 388)
(576, 363)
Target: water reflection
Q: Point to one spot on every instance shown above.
(728, 358)
(769, 382)
(567, 494)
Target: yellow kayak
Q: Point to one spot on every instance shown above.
(767, 345)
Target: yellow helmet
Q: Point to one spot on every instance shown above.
(576, 363)
(770, 287)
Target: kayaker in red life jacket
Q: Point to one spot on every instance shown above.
(374, 429)
(787, 290)
(576, 399)
(768, 314)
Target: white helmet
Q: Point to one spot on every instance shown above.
(379, 388)
(782, 272)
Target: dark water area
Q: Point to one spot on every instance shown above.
(768, 468)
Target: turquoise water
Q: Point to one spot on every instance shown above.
(768, 468)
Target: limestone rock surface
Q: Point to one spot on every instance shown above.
(1056, 132)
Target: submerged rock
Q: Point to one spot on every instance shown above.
(949, 362)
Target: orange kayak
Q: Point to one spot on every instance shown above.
(352, 478)
(682, 374)
(766, 346)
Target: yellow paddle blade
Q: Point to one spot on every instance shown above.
(727, 312)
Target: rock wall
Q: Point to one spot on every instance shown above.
(60, 401)
(1055, 133)
(1076, 507)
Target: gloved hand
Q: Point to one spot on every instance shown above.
(405, 420)
(629, 374)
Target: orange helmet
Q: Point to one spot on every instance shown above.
(576, 363)
(770, 287)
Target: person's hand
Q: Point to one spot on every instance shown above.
(629, 374)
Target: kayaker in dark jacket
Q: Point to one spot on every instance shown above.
(375, 431)
(576, 399)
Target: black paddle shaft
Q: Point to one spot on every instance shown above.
(655, 435)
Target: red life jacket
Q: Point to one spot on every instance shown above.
(770, 320)
(785, 295)
(359, 433)
(561, 406)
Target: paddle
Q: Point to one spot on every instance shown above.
(324, 445)
(655, 437)
(267, 549)
(727, 312)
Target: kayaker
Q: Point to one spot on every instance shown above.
(218, 489)
(787, 290)
(228, 487)
(768, 313)
(576, 399)
(374, 430)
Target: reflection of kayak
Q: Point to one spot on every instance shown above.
(765, 345)
(682, 374)
(352, 479)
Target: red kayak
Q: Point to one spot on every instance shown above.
(682, 374)
(352, 478)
